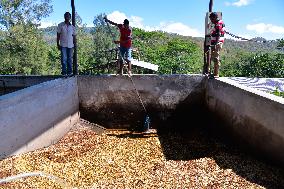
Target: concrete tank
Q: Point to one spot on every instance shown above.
(40, 115)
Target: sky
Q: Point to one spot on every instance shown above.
(244, 18)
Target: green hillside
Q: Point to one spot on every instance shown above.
(229, 45)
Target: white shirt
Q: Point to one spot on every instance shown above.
(66, 34)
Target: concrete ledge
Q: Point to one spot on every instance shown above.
(18, 81)
(37, 116)
(11, 83)
(254, 117)
(263, 84)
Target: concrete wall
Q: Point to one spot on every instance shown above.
(40, 115)
(11, 83)
(37, 116)
(112, 100)
(254, 117)
(24, 81)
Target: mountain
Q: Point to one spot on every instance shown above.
(49, 33)
(256, 44)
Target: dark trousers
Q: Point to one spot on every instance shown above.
(66, 60)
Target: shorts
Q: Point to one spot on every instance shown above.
(125, 53)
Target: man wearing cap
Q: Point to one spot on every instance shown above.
(125, 43)
(217, 40)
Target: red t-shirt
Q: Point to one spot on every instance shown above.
(125, 36)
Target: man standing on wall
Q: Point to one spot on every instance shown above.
(217, 40)
(65, 42)
(125, 44)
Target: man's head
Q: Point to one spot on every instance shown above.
(67, 16)
(213, 16)
(126, 22)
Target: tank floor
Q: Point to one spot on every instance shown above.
(168, 158)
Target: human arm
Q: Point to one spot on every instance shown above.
(57, 40)
(109, 21)
(219, 28)
(215, 35)
(218, 34)
(58, 36)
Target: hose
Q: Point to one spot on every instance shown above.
(33, 174)
(147, 121)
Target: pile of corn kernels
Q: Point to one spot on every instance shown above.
(127, 159)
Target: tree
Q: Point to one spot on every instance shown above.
(280, 42)
(173, 53)
(23, 50)
(15, 12)
(85, 47)
(103, 43)
(53, 62)
(233, 61)
(267, 65)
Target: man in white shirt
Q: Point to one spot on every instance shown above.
(65, 42)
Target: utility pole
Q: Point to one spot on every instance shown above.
(207, 53)
(75, 59)
(210, 5)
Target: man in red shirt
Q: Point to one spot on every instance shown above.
(217, 40)
(125, 43)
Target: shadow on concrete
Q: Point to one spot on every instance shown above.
(5, 90)
(194, 135)
(191, 133)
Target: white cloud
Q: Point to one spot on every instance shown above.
(89, 25)
(45, 24)
(228, 3)
(265, 28)
(117, 17)
(239, 3)
(136, 21)
(170, 27)
(181, 29)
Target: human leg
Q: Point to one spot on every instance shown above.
(129, 67)
(120, 67)
(128, 59)
(63, 60)
(69, 60)
(120, 61)
(207, 60)
(216, 58)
